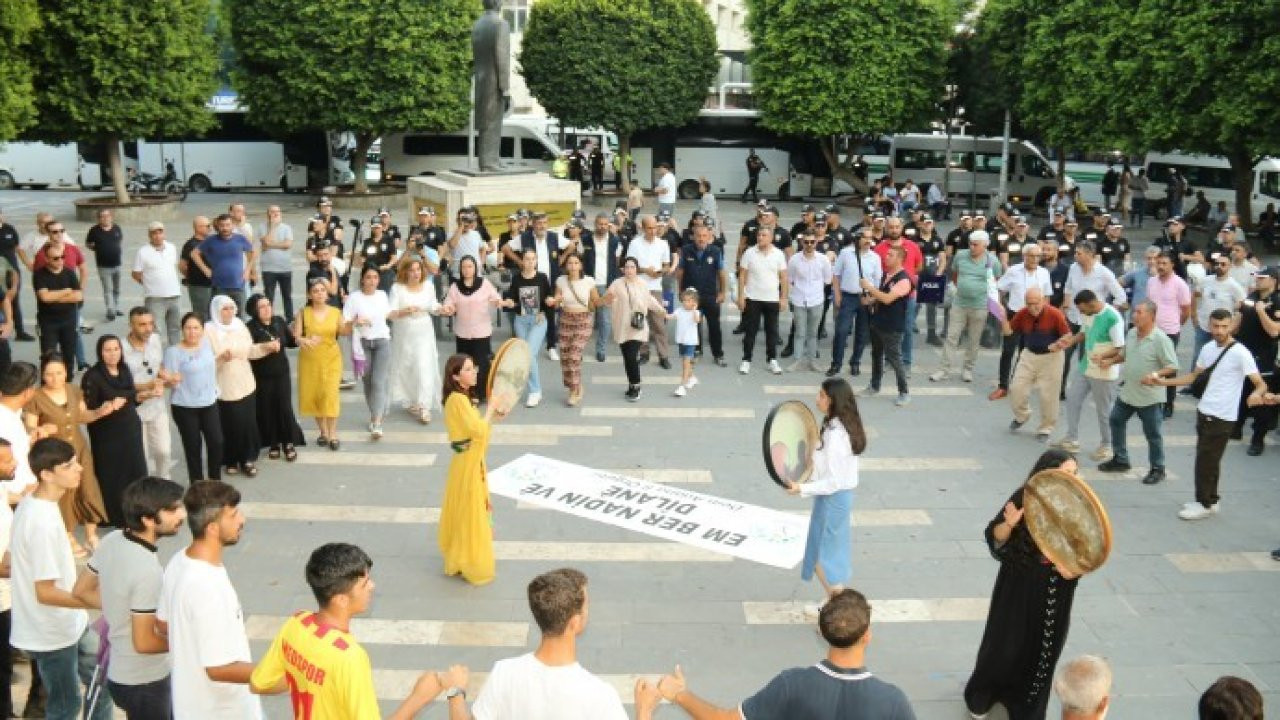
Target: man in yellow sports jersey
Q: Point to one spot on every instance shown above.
(319, 662)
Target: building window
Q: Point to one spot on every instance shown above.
(516, 13)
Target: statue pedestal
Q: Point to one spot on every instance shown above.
(496, 195)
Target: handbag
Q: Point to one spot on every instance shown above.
(1201, 383)
(637, 318)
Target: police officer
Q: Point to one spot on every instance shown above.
(1067, 243)
(1098, 230)
(596, 162)
(702, 267)
(379, 251)
(958, 238)
(390, 229)
(837, 235)
(807, 214)
(1054, 230)
(934, 249)
(1113, 251)
(1058, 270)
(1173, 240)
(1259, 330)
(1016, 242)
(333, 223)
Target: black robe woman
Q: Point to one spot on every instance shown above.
(278, 429)
(116, 439)
(1029, 615)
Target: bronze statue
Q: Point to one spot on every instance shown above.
(491, 46)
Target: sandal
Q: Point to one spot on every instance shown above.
(231, 470)
(274, 452)
(322, 441)
(333, 444)
(249, 469)
(290, 453)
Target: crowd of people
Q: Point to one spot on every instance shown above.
(222, 374)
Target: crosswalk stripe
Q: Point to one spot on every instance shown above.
(391, 684)
(323, 457)
(375, 631)
(340, 513)
(882, 518)
(670, 413)
(603, 552)
(1223, 562)
(649, 380)
(897, 610)
(919, 391)
(913, 464)
(411, 437)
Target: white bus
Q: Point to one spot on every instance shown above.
(1211, 175)
(975, 167)
(524, 145)
(40, 165)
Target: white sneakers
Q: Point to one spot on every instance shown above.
(1103, 452)
(1196, 511)
(693, 380)
(680, 391)
(533, 400)
(745, 367)
(938, 376)
(554, 354)
(967, 376)
(774, 367)
(1071, 446)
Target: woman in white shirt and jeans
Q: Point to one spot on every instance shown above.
(828, 552)
(365, 316)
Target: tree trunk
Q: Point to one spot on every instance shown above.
(117, 169)
(360, 158)
(1062, 169)
(624, 153)
(840, 172)
(1242, 180)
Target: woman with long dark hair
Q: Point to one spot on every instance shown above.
(1029, 615)
(317, 327)
(829, 548)
(465, 531)
(364, 315)
(116, 438)
(415, 370)
(577, 297)
(530, 295)
(278, 429)
(471, 299)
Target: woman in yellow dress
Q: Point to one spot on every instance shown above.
(317, 328)
(466, 517)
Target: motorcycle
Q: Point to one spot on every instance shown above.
(149, 184)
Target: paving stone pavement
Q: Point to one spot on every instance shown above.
(1178, 605)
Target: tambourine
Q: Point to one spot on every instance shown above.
(791, 433)
(509, 374)
(1067, 521)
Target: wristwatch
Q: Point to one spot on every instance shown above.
(455, 692)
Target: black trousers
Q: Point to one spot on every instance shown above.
(631, 360)
(751, 325)
(1212, 435)
(284, 281)
(150, 701)
(711, 313)
(1264, 416)
(753, 186)
(6, 665)
(1008, 348)
(61, 335)
(200, 427)
(1171, 392)
(481, 354)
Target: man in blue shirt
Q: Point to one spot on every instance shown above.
(227, 258)
(853, 264)
(702, 268)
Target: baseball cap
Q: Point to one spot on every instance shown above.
(155, 225)
(1114, 223)
(820, 217)
(1072, 221)
(833, 209)
(1020, 221)
(966, 214)
(807, 208)
(926, 218)
(762, 203)
(513, 217)
(323, 201)
(1228, 228)
(384, 211)
(980, 214)
(663, 216)
(579, 214)
(424, 210)
(770, 209)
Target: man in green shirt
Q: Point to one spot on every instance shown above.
(973, 272)
(1147, 353)
(1101, 331)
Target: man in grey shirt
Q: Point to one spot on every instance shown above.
(125, 576)
(275, 263)
(838, 686)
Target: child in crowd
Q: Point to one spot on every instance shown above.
(687, 319)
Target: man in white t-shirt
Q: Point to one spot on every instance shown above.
(17, 387)
(1217, 290)
(156, 267)
(49, 622)
(8, 466)
(666, 189)
(201, 614)
(144, 357)
(548, 683)
(467, 240)
(653, 256)
(762, 279)
(1229, 364)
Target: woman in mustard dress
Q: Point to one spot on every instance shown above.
(466, 517)
(58, 410)
(317, 328)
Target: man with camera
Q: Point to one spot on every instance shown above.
(1258, 331)
(549, 246)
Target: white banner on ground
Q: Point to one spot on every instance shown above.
(725, 526)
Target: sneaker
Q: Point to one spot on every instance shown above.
(1103, 452)
(797, 366)
(869, 391)
(1275, 554)
(998, 394)
(745, 367)
(346, 384)
(680, 391)
(938, 376)
(967, 376)
(1014, 425)
(375, 431)
(633, 393)
(533, 400)
(553, 354)
(664, 363)
(833, 371)
(1068, 444)
(1114, 465)
(1255, 448)
(903, 400)
(1194, 511)
(720, 361)
(600, 356)
(1043, 436)
(774, 367)
(693, 380)
(1154, 476)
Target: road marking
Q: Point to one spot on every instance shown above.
(604, 552)
(921, 391)
(343, 458)
(340, 513)
(881, 518)
(374, 631)
(670, 413)
(1223, 562)
(898, 610)
(622, 380)
(411, 437)
(913, 464)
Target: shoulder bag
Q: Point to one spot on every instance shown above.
(1201, 383)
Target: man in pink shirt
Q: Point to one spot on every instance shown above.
(1173, 306)
(912, 262)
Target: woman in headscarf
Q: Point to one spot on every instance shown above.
(116, 438)
(1029, 616)
(415, 380)
(277, 426)
(472, 299)
(233, 348)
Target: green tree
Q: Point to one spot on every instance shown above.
(353, 65)
(834, 67)
(18, 20)
(625, 65)
(113, 69)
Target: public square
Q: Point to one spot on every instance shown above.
(1177, 605)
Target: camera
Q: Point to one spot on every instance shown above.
(637, 320)
(355, 223)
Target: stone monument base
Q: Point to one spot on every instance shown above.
(496, 195)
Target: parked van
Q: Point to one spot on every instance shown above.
(1211, 175)
(40, 165)
(404, 155)
(975, 167)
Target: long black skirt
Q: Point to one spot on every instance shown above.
(277, 425)
(118, 458)
(240, 438)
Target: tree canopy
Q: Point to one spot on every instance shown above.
(625, 65)
(18, 20)
(370, 68)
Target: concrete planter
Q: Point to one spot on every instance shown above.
(378, 196)
(140, 209)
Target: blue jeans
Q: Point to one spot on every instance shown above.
(604, 324)
(1152, 417)
(63, 670)
(852, 316)
(377, 376)
(533, 330)
(913, 310)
